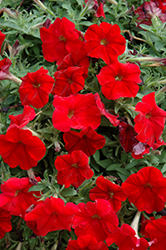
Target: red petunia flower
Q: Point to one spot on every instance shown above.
(96, 219)
(77, 58)
(73, 169)
(50, 215)
(68, 81)
(87, 242)
(4, 69)
(86, 140)
(104, 41)
(15, 197)
(146, 189)
(149, 10)
(112, 118)
(35, 88)
(5, 222)
(75, 111)
(23, 119)
(107, 190)
(20, 147)
(59, 39)
(125, 238)
(119, 80)
(2, 38)
(144, 222)
(156, 229)
(149, 123)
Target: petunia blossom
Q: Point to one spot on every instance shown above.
(104, 41)
(149, 123)
(156, 230)
(75, 111)
(68, 81)
(59, 39)
(87, 242)
(125, 238)
(144, 222)
(35, 88)
(119, 80)
(86, 140)
(73, 169)
(77, 58)
(5, 222)
(20, 147)
(15, 197)
(95, 218)
(146, 189)
(50, 215)
(107, 190)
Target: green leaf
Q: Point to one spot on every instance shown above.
(94, 165)
(105, 163)
(69, 192)
(163, 170)
(38, 187)
(134, 163)
(113, 166)
(96, 156)
(123, 177)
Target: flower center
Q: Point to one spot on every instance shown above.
(96, 216)
(36, 84)
(16, 193)
(118, 77)
(103, 42)
(111, 195)
(148, 115)
(71, 113)
(70, 80)
(75, 165)
(62, 38)
(148, 185)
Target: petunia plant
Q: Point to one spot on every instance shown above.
(82, 125)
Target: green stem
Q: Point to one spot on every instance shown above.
(42, 6)
(85, 8)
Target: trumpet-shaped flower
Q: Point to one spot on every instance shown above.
(73, 169)
(146, 189)
(86, 140)
(75, 111)
(95, 218)
(15, 197)
(50, 215)
(35, 88)
(119, 80)
(104, 41)
(87, 242)
(149, 123)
